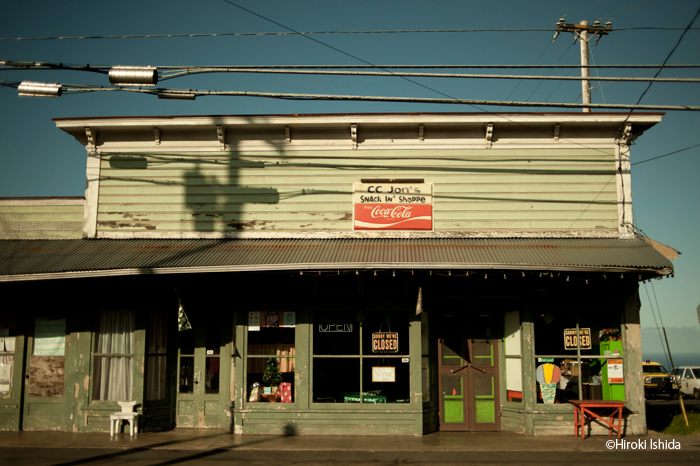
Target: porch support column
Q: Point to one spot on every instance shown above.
(632, 347)
(528, 362)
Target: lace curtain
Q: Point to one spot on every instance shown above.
(114, 356)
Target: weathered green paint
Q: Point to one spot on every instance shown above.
(554, 189)
(10, 408)
(41, 218)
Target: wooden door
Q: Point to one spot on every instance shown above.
(44, 384)
(199, 370)
(468, 373)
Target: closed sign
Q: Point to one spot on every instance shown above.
(385, 342)
(571, 339)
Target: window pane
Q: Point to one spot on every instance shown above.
(213, 338)
(112, 378)
(382, 322)
(156, 362)
(186, 374)
(334, 379)
(483, 352)
(157, 333)
(397, 391)
(285, 389)
(211, 375)
(115, 333)
(155, 381)
(449, 356)
(336, 333)
(270, 338)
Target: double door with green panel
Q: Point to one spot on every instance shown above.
(201, 385)
(468, 372)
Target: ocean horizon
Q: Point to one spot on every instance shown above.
(680, 359)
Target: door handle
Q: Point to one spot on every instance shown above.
(468, 365)
(196, 377)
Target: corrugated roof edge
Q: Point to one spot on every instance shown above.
(48, 259)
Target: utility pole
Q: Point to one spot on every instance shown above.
(583, 33)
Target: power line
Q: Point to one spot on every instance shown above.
(308, 33)
(173, 72)
(667, 58)
(664, 155)
(192, 93)
(330, 46)
(192, 71)
(663, 346)
(19, 64)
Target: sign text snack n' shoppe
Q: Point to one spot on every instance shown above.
(393, 206)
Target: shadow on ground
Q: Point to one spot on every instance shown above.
(660, 415)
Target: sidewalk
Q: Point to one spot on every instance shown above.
(204, 439)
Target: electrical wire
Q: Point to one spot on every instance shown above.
(26, 65)
(665, 155)
(307, 33)
(663, 346)
(596, 73)
(330, 46)
(626, 11)
(77, 88)
(201, 70)
(667, 58)
(549, 44)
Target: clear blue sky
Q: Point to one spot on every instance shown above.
(36, 159)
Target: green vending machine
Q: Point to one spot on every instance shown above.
(613, 378)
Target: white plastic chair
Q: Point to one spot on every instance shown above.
(127, 414)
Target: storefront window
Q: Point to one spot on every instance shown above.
(156, 359)
(114, 355)
(47, 363)
(513, 356)
(579, 344)
(271, 362)
(360, 357)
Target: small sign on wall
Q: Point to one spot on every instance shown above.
(383, 374)
(392, 206)
(615, 372)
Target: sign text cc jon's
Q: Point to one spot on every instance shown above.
(393, 206)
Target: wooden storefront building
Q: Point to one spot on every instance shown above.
(407, 273)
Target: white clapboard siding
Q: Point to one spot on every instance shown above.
(562, 189)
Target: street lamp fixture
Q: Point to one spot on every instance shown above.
(133, 76)
(35, 89)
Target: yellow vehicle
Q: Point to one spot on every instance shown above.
(657, 380)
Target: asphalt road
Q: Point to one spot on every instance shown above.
(659, 413)
(71, 457)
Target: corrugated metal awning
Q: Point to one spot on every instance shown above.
(45, 259)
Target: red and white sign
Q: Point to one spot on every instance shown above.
(400, 206)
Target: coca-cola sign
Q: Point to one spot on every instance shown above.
(393, 206)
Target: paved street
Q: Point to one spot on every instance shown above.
(201, 446)
(69, 457)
